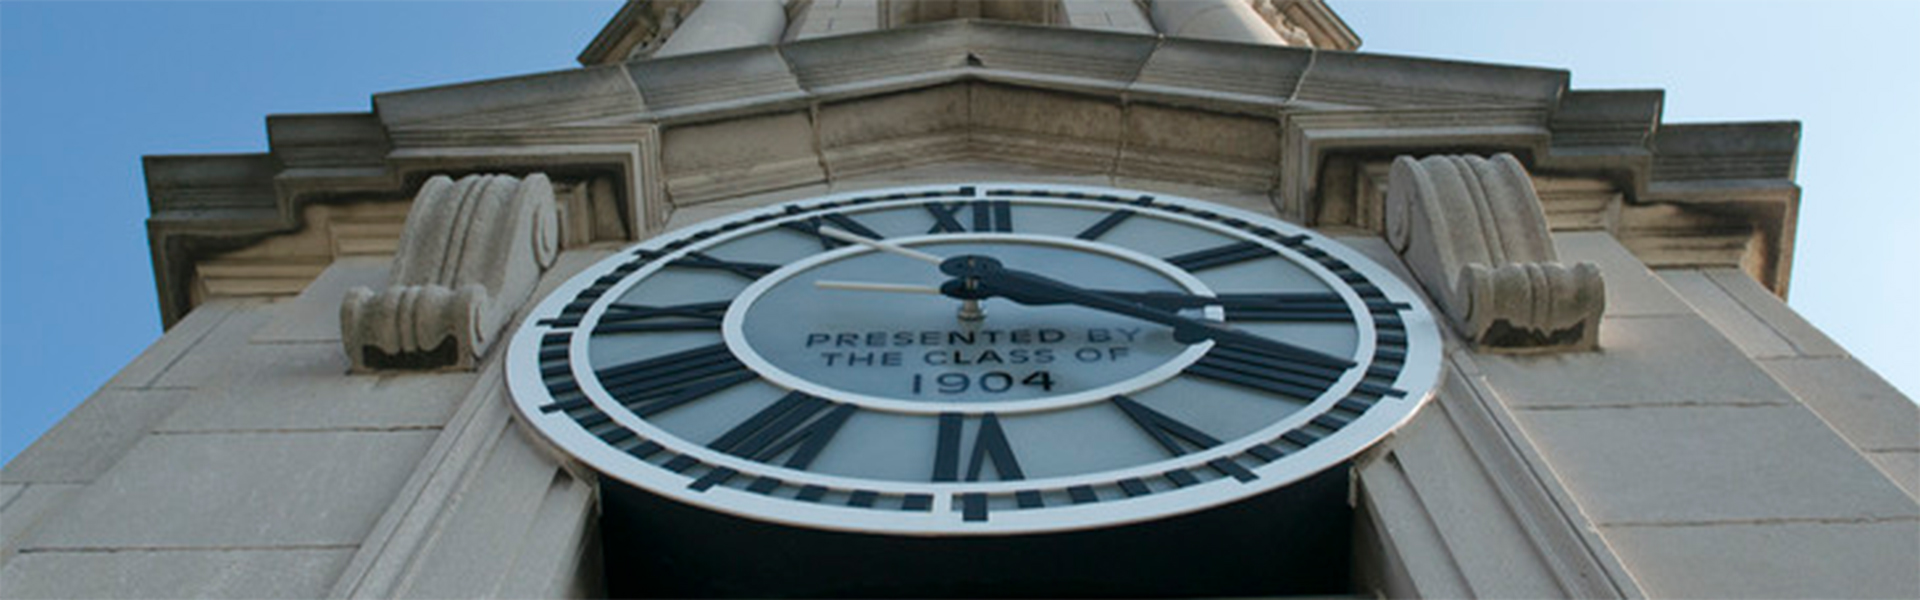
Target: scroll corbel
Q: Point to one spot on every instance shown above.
(1474, 234)
(470, 256)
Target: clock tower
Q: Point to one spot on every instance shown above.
(974, 298)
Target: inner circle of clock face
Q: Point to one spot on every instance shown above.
(1140, 357)
(912, 352)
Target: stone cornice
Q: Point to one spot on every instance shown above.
(1009, 89)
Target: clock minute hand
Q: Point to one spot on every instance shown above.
(980, 277)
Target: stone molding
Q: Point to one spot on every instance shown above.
(1466, 453)
(1126, 105)
(1473, 232)
(469, 257)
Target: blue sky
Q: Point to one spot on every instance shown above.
(86, 88)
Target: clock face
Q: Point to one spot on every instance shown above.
(981, 359)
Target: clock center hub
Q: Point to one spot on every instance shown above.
(906, 352)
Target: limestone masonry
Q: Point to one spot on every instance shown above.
(1625, 406)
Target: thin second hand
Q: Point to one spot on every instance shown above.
(970, 309)
(868, 286)
(879, 245)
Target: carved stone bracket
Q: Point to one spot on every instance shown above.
(469, 257)
(1473, 232)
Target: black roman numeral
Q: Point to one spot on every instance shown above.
(656, 384)
(1265, 372)
(983, 216)
(1220, 256)
(635, 318)
(1298, 307)
(989, 446)
(1295, 307)
(1107, 224)
(797, 422)
(1305, 307)
(1168, 431)
(696, 260)
(811, 226)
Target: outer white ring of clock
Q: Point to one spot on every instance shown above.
(1419, 376)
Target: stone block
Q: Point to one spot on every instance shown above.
(1492, 546)
(30, 505)
(9, 491)
(178, 339)
(559, 557)
(1773, 560)
(1723, 151)
(175, 573)
(1362, 79)
(1632, 289)
(839, 17)
(894, 131)
(183, 184)
(699, 82)
(211, 355)
(1110, 15)
(1745, 330)
(478, 541)
(314, 315)
(239, 490)
(1183, 68)
(286, 387)
(1055, 129)
(1868, 412)
(716, 160)
(93, 437)
(1770, 309)
(1902, 467)
(1072, 57)
(328, 141)
(1641, 361)
(1606, 122)
(542, 98)
(1217, 149)
(838, 65)
(908, 114)
(1709, 464)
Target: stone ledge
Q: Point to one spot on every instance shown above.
(317, 488)
(1851, 398)
(1773, 560)
(1710, 465)
(93, 437)
(1322, 102)
(254, 573)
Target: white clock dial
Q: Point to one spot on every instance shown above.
(1137, 357)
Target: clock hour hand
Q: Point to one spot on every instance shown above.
(978, 277)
